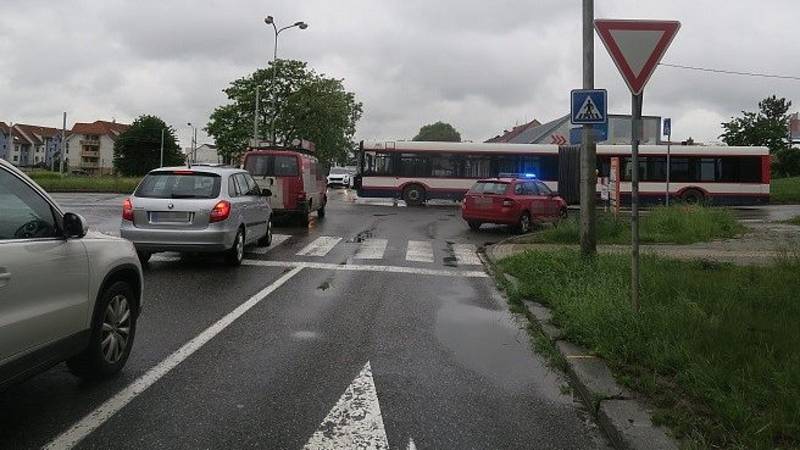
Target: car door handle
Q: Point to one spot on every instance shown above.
(5, 276)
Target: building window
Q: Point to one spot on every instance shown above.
(16, 158)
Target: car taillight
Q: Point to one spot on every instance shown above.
(508, 202)
(220, 212)
(127, 210)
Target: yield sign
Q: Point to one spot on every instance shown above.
(636, 46)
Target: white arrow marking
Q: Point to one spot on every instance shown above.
(355, 421)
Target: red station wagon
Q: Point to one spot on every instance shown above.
(513, 201)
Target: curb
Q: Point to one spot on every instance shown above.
(625, 420)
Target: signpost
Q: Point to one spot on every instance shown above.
(668, 132)
(636, 47)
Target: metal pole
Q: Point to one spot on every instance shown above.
(255, 118)
(194, 146)
(272, 86)
(669, 145)
(63, 144)
(162, 148)
(636, 134)
(588, 149)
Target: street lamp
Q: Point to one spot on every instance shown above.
(194, 141)
(269, 20)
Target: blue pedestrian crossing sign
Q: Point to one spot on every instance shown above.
(589, 106)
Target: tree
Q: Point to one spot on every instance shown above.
(138, 150)
(439, 131)
(297, 104)
(768, 127)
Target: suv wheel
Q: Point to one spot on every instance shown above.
(112, 333)
(235, 255)
(266, 241)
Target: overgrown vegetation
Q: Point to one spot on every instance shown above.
(785, 190)
(53, 182)
(714, 345)
(679, 224)
(794, 220)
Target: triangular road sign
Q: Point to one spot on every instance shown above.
(589, 110)
(636, 46)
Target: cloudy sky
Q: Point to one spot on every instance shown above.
(481, 65)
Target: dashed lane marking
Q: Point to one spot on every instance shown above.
(419, 251)
(320, 247)
(371, 249)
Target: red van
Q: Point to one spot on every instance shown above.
(295, 178)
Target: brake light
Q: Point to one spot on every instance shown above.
(507, 202)
(182, 172)
(127, 210)
(220, 212)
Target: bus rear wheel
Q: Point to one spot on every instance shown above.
(693, 196)
(414, 195)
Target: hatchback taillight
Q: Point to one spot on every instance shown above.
(127, 210)
(508, 202)
(220, 212)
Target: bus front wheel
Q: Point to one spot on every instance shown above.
(693, 196)
(414, 195)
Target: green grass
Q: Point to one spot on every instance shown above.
(785, 190)
(680, 224)
(793, 221)
(715, 346)
(67, 183)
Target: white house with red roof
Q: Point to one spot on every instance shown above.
(90, 146)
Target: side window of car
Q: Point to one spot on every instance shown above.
(519, 189)
(252, 186)
(25, 214)
(241, 184)
(530, 189)
(232, 188)
(543, 188)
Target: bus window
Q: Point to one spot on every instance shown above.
(443, 166)
(476, 166)
(414, 165)
(378, 163)
(507, 164)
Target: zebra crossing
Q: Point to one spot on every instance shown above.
(376, 249)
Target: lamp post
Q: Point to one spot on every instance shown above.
(269, 20)
(194, 142)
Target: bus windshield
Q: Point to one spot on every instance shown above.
(271, 165)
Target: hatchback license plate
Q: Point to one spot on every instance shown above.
(483, 202)
(169, 217)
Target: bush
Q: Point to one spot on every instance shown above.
(785, 190)
(786, 163)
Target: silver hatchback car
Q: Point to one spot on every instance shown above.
(197, 209)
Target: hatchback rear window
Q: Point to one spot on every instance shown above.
(179, 185)
(489, 187)
(271, 166)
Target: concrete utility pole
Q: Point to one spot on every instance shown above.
(63, 145)
(636, 135)
(588, 148)
(161, 164)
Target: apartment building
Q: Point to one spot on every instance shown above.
(5, 140)
(90, 146)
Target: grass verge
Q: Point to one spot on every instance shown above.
(714, 345)
(785, 190)
(793, 221)
(679, 224)
(50, 183)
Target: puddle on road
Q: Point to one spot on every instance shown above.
(362, 236)
(491, 343)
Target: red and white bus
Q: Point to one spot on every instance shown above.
(420, 171)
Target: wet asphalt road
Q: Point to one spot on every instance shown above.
(451, 368)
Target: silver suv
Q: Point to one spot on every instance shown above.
(66, 294)
(197, 209)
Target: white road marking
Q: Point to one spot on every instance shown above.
(277, 239)
(411, 445)
(368, 268)
(320, 247)
(466, 255)
(420, 251)
(371, 249)
(355, 420)
(96, 418)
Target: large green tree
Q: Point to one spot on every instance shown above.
(768, 127)
(138, 150)
(439, 131)
(297, 103)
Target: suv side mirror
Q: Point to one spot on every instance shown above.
(74, 226)
(266, 193)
